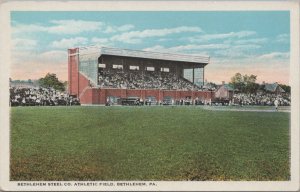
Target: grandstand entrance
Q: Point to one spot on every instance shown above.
(150, 100)
(112, 100)
(188, 100)
(168, 100)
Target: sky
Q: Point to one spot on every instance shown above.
(248, 42)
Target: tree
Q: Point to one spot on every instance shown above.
(50, 80)
(286, 88)
(250, 85)
(237, 82)
(211, 85)
(244, 83)
(65, 85)
(252, 88)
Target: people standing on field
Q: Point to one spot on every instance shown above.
(276, 102)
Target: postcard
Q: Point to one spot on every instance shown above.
(149, 96)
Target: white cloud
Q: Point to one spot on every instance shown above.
(99, 40)
(74, 26)
(59, 27)
(276, 60)
(156, 48)
(192, 49)
(186, 48)
(199, 47)
(164, 39)
(69, 43)
(125, 27)
(22, 43)
(178, 49)
(22, 28)
(53, 56)
(276, 55)
(268, 70)
(236, 51)
(134, 37)
(255, 41)
(222, 50)
(246, 47)
(114, 29)
(110, 29)
(283, 38)
(208, 37)
(71, 27)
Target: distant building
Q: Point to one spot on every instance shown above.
(273, 88)
(225, 91)
(23, 84)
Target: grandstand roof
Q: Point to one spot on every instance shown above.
(146, 54)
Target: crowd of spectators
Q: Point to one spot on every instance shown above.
(267, 99)
(40, 97)
(114, 78)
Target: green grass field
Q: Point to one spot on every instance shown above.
(148, 143)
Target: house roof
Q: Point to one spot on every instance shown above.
(227, 87)
(272, 87)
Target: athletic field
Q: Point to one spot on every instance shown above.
(149, 143)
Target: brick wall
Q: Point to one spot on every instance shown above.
(83, 83)
(98, 96)
(73, 78)
(222, 92)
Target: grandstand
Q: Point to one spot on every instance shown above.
(98, 75)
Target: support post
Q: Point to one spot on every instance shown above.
(193, 75)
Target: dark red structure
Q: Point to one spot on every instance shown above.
(84, 65)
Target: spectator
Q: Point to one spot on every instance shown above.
(117, 78)
(261, 99)
(40, 96)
